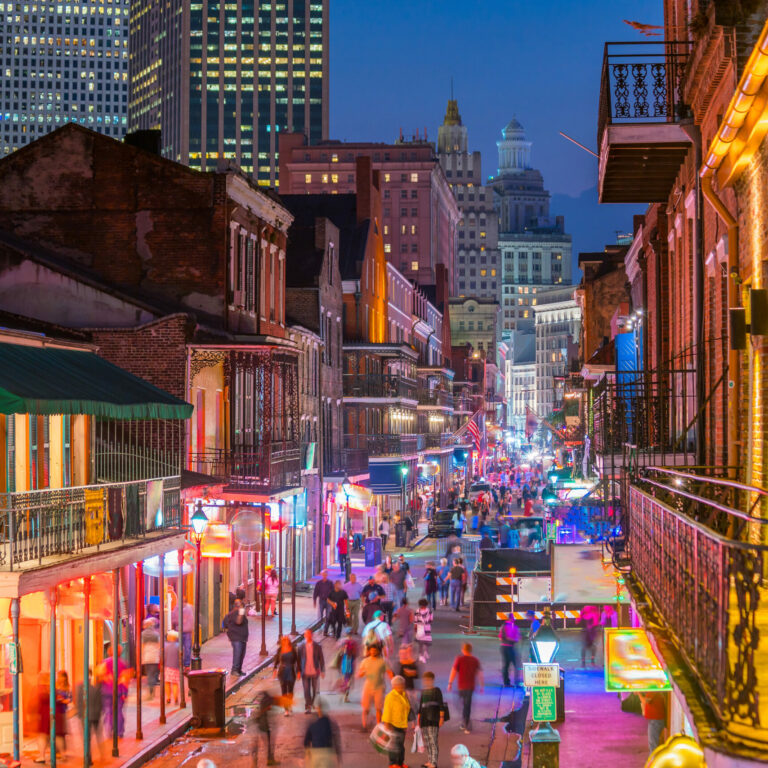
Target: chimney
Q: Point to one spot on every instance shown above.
(148, 140)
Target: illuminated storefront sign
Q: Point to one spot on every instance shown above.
(217, 540)
(631, 664)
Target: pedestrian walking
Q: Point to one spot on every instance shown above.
(458, 523)
(378, 632)
(469, 672)
(372, 595)
(397, 578)
(485, 542)
(430, 585)
(263, 728)
(509, 639)
(235, 624)
(374, 670)
(457, 580)
(286, 670)
(271, 591)
(384, 532)
(185, 631)
(124, 674)
(172, 675)
(322, 589)
(150, 655)
(63, 702)
(444, 580)
(390, 595)
(431, 716)
(348, 647)
(408, 531)
(311, 669)
(94, 711)
(354, 593)
(589, 618)
(654, 708)
(322, 740)
(337, 610)
(404, 618)
(422, 624)
(342, 547)
(409, 670)
(397, 712)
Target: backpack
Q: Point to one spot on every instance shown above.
(346, 664)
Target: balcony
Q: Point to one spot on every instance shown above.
(252, 469)
(337, 463)
(37, 527)
(386, 386)
(641, 136)
(440, 440)
(698, 575)
(385, 445)
(436, 398)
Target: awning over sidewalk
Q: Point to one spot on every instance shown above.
(46, 380)
(386, 477)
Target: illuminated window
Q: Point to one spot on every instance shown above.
(334, 158)
(482, 234)
(335, 178)
(387, 248)
(413, 229)
(414, 177)
(325, 178)
(493, 273)
(403, 229)
(483, 272)
(386, 177)
(525, 314)
(414, 266)
(307, 178)
(386, 229)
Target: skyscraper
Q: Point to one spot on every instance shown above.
(478, 267)
(222, 81)
(60, 64)
(535, 249)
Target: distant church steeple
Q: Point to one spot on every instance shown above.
(452, 135)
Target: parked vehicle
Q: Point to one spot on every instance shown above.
(476, 490)
(441, 523)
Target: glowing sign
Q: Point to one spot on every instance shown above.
(217, 540)
(631, 664)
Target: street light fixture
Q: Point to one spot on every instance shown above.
(199, 523)
(404, 475)
(346, 488)
(545, 643)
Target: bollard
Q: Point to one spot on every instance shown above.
(545, 747)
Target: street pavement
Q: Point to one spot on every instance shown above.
(595, 731)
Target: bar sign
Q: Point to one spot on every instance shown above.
(544, 704)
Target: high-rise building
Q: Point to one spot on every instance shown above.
(478, 265)
(61, 64)
(222, 81)
(535, 249)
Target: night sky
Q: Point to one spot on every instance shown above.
(392, 63)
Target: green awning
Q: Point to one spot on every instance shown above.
(47, 380)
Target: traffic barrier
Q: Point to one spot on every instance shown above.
(520, 615)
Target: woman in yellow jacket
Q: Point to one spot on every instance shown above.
(397, 710)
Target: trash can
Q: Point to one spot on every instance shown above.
(372, 551)
(560, 698)
(400, 535)
(208, 692)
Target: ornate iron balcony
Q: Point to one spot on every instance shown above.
(248, 468)
(385, 445)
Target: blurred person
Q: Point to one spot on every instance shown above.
(271, 591)
(311, 669)
(42, 720)
(457, 580)
(422, 622)
(430, 717)
(172, 673)
(150, 655)
(398, 578)
(235, 624)
(430, 584)
(186, 629)
(373, 669)
(509, 639)
(124, 675)
(404, 618)
(460, 758)
(348, 649)
(470, 676)
(390, 595)
(444, 580)
(322, 740)
(262, 728)
(384, 532)
(408, 669)
(354, 593)
(286, 670)
(342, 547)
(63, 702)
(654, 708)
(589, 618)
(396, 713)
(94, 711)
(337, 610)
(322, 589)
(378, 632)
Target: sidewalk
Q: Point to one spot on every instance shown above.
(215, 654)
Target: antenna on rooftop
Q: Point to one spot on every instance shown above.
(451, 88)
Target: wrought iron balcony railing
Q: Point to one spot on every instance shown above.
(36, 525)
(701, 566)
(252, 468)
(642, 82)
(440, 440)
(351, 461)
(385, 445)
(436, 397)
(378, 385)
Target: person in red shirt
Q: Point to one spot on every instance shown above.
(341, 546)
(467, 668)
(654, 707)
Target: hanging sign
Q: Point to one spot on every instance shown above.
(631, 664)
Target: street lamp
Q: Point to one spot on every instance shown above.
(404, 475)
(545, 643)
(346, 488)
(199, 522)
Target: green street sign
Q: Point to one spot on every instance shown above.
(544, 704)
(13, 658)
